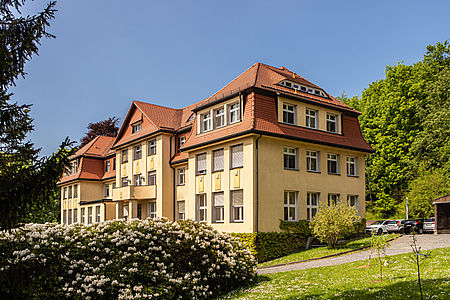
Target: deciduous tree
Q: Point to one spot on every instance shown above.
(106, 127)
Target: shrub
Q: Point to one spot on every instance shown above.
(270, 245)
(116, 259)
(334, 222)
(300, 227)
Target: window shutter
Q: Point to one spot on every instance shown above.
(237, 198)
(218, 199)
(237, 159)
(218, 160)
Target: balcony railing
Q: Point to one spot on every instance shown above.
(134, 192)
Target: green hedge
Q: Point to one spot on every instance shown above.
(270, 245)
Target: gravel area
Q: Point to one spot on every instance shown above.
(398, 246)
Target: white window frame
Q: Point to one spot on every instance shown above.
(181, 215)
(136, 128)
(107, 166)
(216, 159)
(107, 194)
(70, 192)
(352, 161)
(311, 115)
(287, 111)
(124, 156)
(152, 210)
(218, 208)
(65, 192)
(206, 122)
(312, 155)
(69, 216)
(138, 180)
(139, 211)
(334, 159)
(75, 215)
(98, 211)
(181, 178)
(330, 121)
(287, 153)
(235, 112)
(75, 191)
(181, 141)
(200, 158)
(336, 198)
(151, 177)
(219, 114)
(90, 215)
(354, 198)
(124, 181)
(137, 153)
(202, 206)
(151, 145)
(235, 156)
(237, 210)
(310, 207)
(83, 215)
(288, 205)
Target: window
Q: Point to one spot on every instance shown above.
(75, 215)
(137, 152)
(311, 118)
(312, 205)
(218, 160)
(114, 163)
(138, 180)
(125, 212)
(201, 163)
(237, 206)
(114, 185)
(152, 210)
(181, 141)
(70, 191)
(152, 147)
(352, 201)
(290, 158)
(201, 207)
(124, 156)
(312, 161)
(181, 176)
(289, 114)
(333, 199)
(64, 216)
(65, 193)
(234, 113)
(333, 163)
(83, 215)
(219, 118)
(218, 210)
(107, 166)
(136, 128)
(106, 190)
(139, 211)
(206, 122)
(352, 166)
(290, 206)
(332, 124)
(237, 156)
(124, 181)
(90, 215)
(69, 217)
(152, 178)
(97, 214)
(75, 191)
(181, 209)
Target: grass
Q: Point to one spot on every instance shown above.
(347, 281)
(322, 251)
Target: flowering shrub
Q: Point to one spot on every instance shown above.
(155, 259)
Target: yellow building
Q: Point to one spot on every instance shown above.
(269, 146)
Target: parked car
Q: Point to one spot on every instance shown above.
(377, 227)
(413, 225)
(429, 225)
(396, 226)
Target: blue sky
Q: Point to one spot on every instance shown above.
(173, 53)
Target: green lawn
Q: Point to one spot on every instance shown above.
(322, 251)
(347, 281)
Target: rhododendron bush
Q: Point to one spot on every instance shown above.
(155, 259)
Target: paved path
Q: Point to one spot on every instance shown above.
(398, 246)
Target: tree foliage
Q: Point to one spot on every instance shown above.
(26, 181)
(106, 127)
(334, 222)
(405, 117)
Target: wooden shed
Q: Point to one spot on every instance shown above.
(442, 214)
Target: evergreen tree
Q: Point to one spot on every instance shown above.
(27, 182)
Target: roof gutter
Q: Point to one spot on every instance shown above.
(144, 136)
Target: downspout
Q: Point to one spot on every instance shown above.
(257, 193)
(173, 176)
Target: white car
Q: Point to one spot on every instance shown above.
(429, 225)
(377, 227)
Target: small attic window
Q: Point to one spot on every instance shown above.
(317, 92)
(136, 127)
(288, 84)
(296, 86)
(303, 88)
(310, 91)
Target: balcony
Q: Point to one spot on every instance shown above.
(134, 192)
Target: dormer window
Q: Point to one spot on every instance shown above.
(219, 118)
(289, 114)
(234, 113)
(303, 88)
(136, 127)
(317, 92)
(311, 118)
(206, 122)
(332, 124)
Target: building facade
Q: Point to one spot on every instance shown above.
(269, 146)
